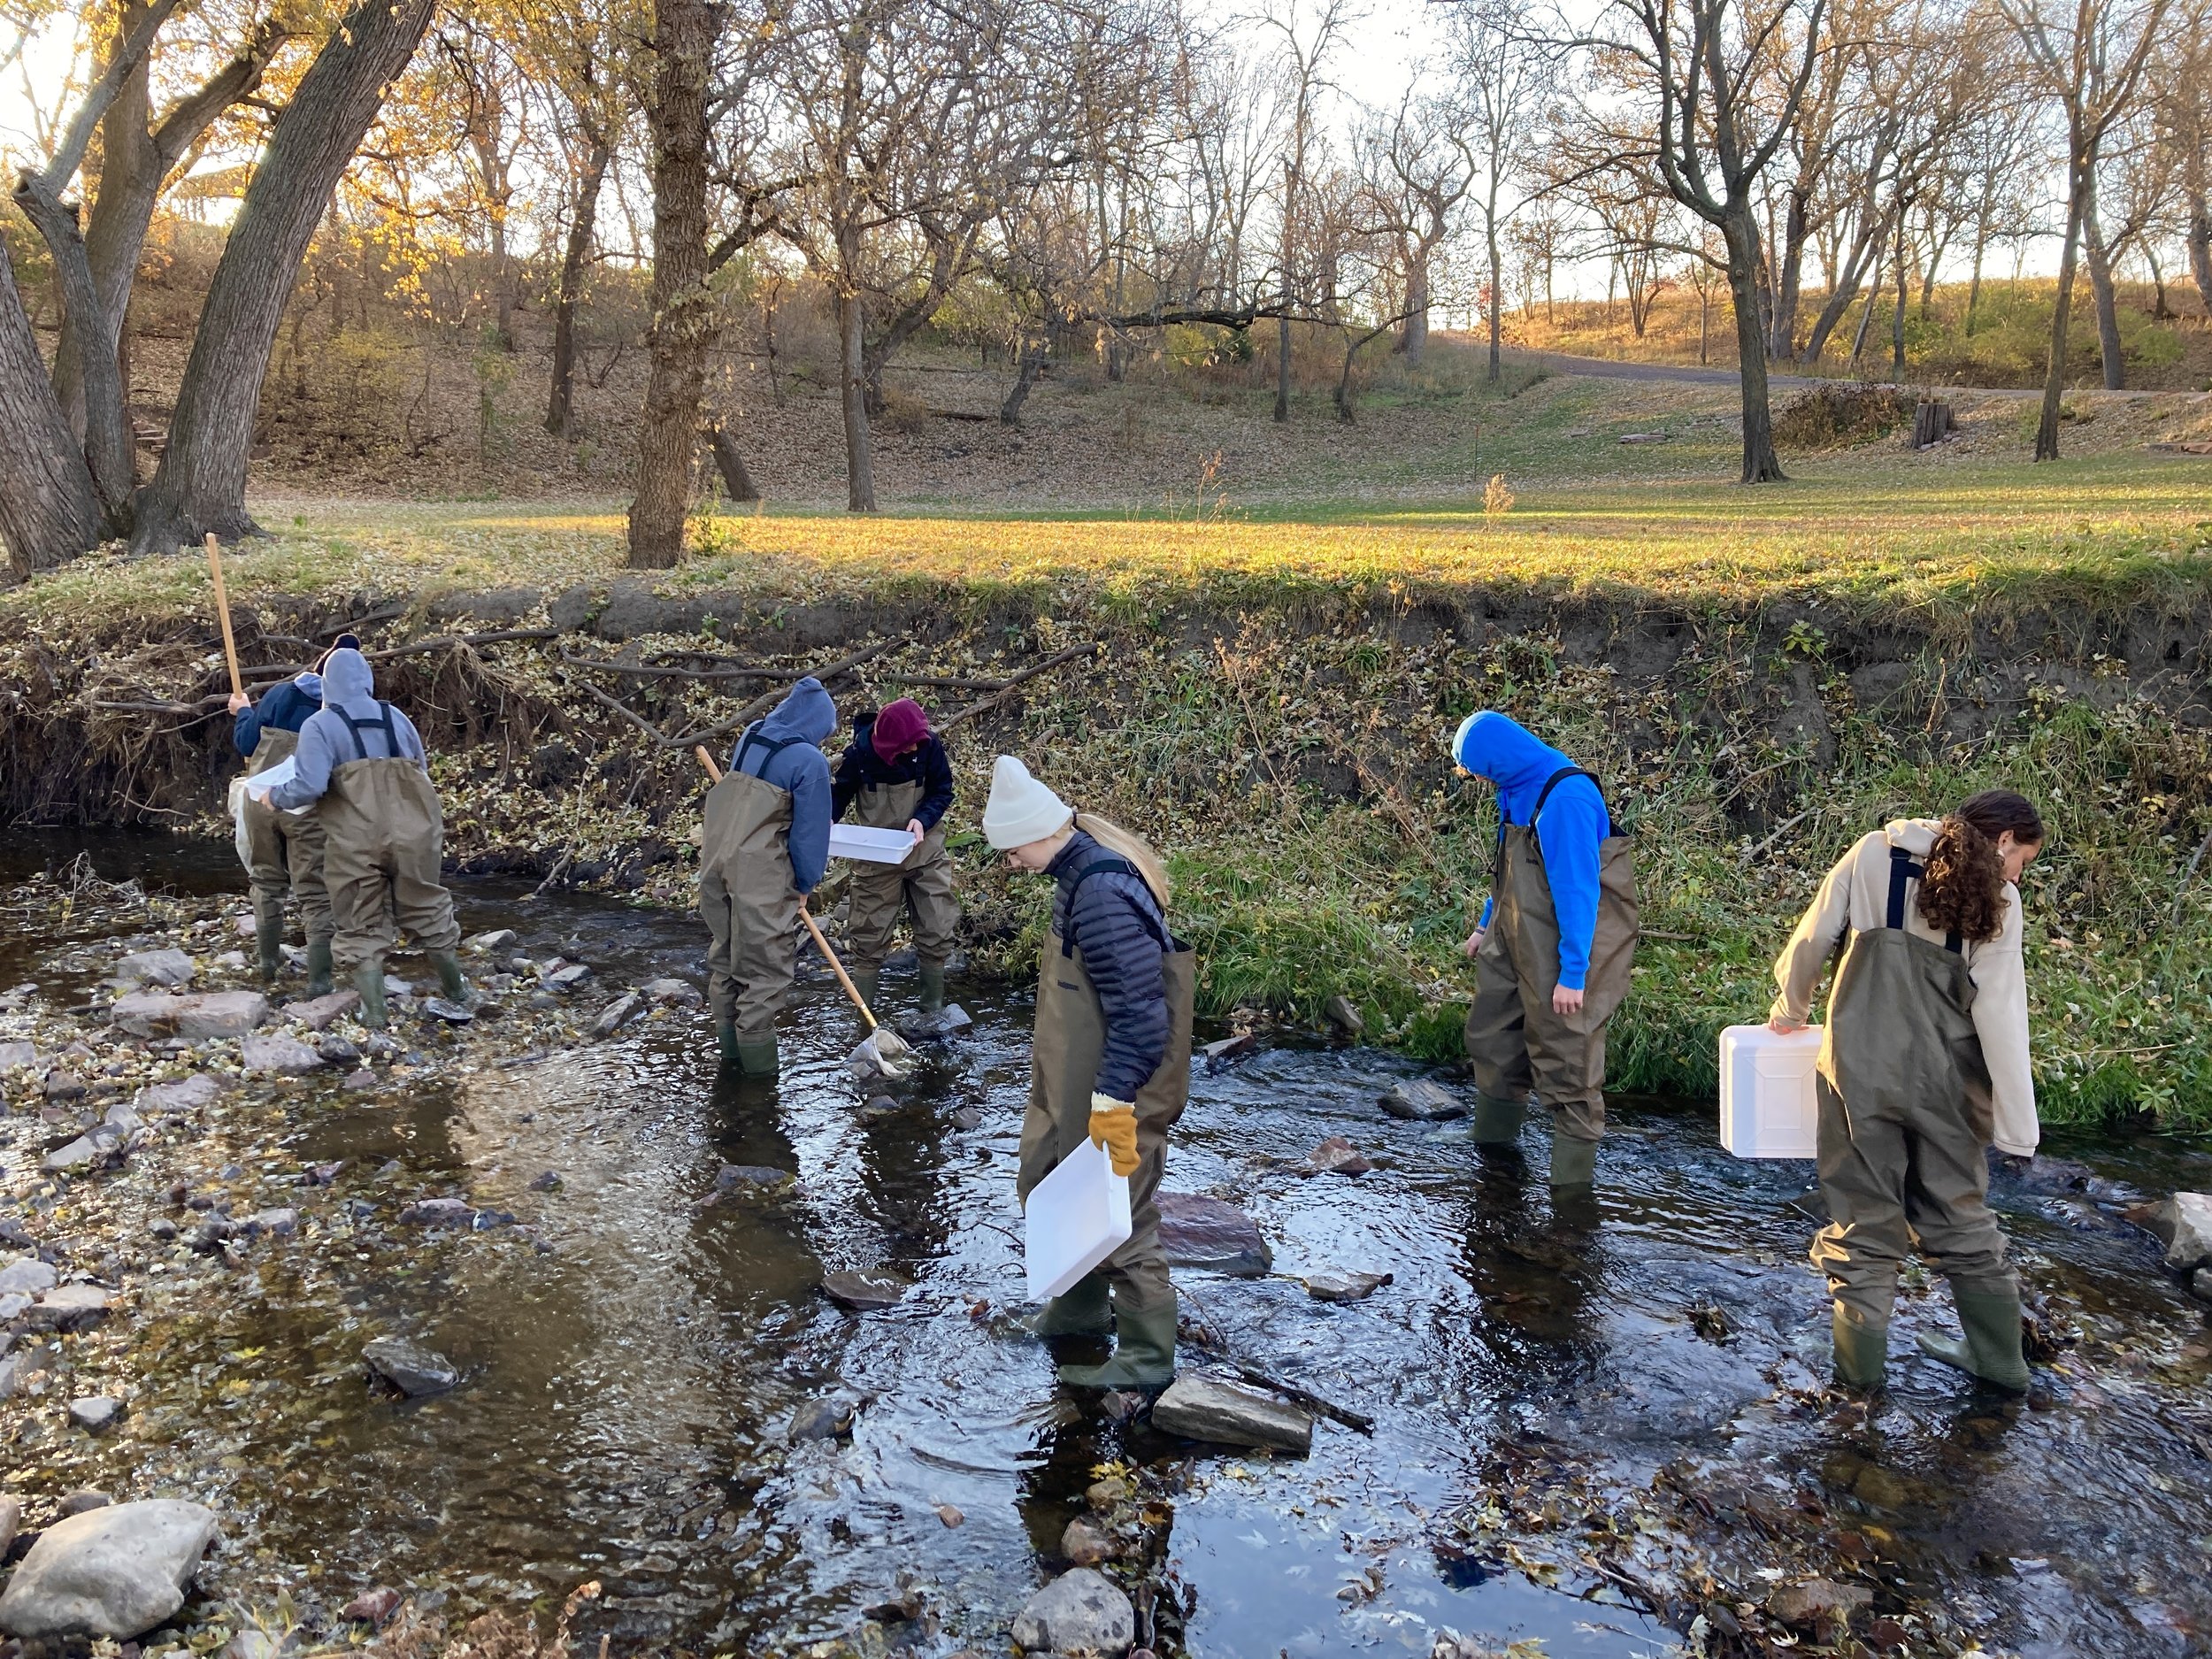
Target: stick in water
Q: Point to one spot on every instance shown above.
(222, 610)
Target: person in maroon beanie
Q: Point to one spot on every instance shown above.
(895, 776)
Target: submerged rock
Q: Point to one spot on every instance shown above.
(1205, 1232)
(201, 1014)
(336, 1050)
(438, 1212)
(1336, 1156)
(673, 992)
(864, 1291)
(828, 1418)
(82, 1501)
(1079, 1612)
(1213, 1408)
(1422, 1099)
(1812, 1602)
(753, 1178)
(116, 1571)
(569, 977)
(1333, 1284)
(278, 1056)
(1085, 1543)
(80, 1154)
(410, 1367)
(949, 1021)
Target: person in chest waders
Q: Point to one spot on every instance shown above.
(1110, 1060)
(895, 776)
(764, 849)
(361, 764)
(283, 851)
(1924, 1066)
(1553, 948)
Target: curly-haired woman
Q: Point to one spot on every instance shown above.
(1923, 1067)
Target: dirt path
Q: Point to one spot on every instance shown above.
(1613, 369)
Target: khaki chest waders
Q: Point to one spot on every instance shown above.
(919, 886)
(1516, 1042)
(384, 851)
(746, 896)
(283, 850)
(1906, 1117)
(1069, 1043)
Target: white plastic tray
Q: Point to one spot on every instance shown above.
(870, 846)
(1075, 1218)
(1767, 1108)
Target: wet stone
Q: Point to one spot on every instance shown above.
(1345, 1021)
(82, 1501)
(1079, 1612)
(1205, 1232)
(371, 1607)
(1336, 1156)
(1332, 1284)
(161, 1227)
(617, 1014)
(381, 1044)
(14, 1056)
(11, 1521)
(1812, 1601)
(673, 992)
(356, 1081)
(1228, 1050)
(949, 1021)
(13, 1305)
(497, 939)
(186, 1095)
(1213, 1409)
(828, 1418)
(864, 1290)
(546, 1182)
(278, 1056)
(336, 1050)
(438, 1212)
(410, 1367)
(119, 1570)
(204, 1014)
(569, 977)
(68, 1308)
(2184, 1223)
(94, 1412)
(30, 1275)
(277, 1223)
(77, 1155)
(752, 1177)
(1085, 1543)
(64, 1086)
(169, 968)
(451, 1012)
(967, 1117)
(323, 1011)
(1422, 1099)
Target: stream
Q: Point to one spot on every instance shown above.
(637, 1349)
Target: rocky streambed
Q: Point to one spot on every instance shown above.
(442, 1328)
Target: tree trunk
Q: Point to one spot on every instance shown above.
(1782, 332)
(1413, 336)
(1974, 287)
(108, 450)
(48, 511)
(1282, 360)
(113, 233)
(682, 327)
(1030, 359)
(1897, 317)
(1741, 233)
(583, 225)
(729, 460)
(2200, 247)
(2101, 290)
(860, 469)
(1704, 322)
(201, 487)
(2055, 367)
(1496, 322)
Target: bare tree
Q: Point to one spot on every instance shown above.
(2090, 59)
(1417, 170)
(1309, 37)
(2182, 95)
(1505, 77)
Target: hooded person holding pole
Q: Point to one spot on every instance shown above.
(1553, 950)
(1110, 1058)
(763, 849)
(283, 851)
(360, 764)
(895, 776)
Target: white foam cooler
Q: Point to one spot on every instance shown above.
(1768, 1109)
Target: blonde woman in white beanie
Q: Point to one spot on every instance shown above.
(1110, 1060)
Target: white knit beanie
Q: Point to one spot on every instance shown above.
(1020, 810)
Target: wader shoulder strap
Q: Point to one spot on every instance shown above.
(1904, 867)
(391, 736)
(1536, 811)
(1110, 864)
(752, 740)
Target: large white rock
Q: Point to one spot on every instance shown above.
(116, 1571)
(206, 1014)
(29, 1274)
(278, 1056)
(154, 967)
(2185, 1222)
(1213, 1409)
(1079, 1612)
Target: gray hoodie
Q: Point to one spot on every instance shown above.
(329, 739)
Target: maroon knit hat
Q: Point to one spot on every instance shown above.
(899, 726)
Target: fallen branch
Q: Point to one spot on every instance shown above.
(760, 705)
(1359, 1422)
(1014, 682)
(636, 671)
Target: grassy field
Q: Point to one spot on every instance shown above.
(1296, 772)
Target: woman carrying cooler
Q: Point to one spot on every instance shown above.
(1924, 1066)
(1111, 1061)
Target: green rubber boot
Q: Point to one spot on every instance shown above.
(867, 982)
(1573, 1163)
(1498, 1122)
(932, 975)
(725, 1039)
(1861, 1352)
(1991, 1349)
(1144, 1352)
(318, 970)
(758, 1059)
(451, 980)
(368, 979)
(268, 937)
(1084, 1309)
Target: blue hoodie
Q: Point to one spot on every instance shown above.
(1494, 746)
(327, 741)
(801, 770)
(285, 706)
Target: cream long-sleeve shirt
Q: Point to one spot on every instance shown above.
(1855, 897)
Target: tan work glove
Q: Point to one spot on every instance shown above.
(1114, 1127)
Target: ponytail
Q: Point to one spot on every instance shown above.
(1118, 840)
(1962, 890)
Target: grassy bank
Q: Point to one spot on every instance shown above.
(1758, 676)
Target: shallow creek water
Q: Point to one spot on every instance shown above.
(633, 1356)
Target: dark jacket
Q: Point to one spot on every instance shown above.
(862, 768)
(1116, 923)
(284, 708)
(329, 738)
(801, 770)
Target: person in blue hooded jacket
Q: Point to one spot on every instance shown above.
(764, 849)
(283, 851)
(360, 765)
(1553, 950)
